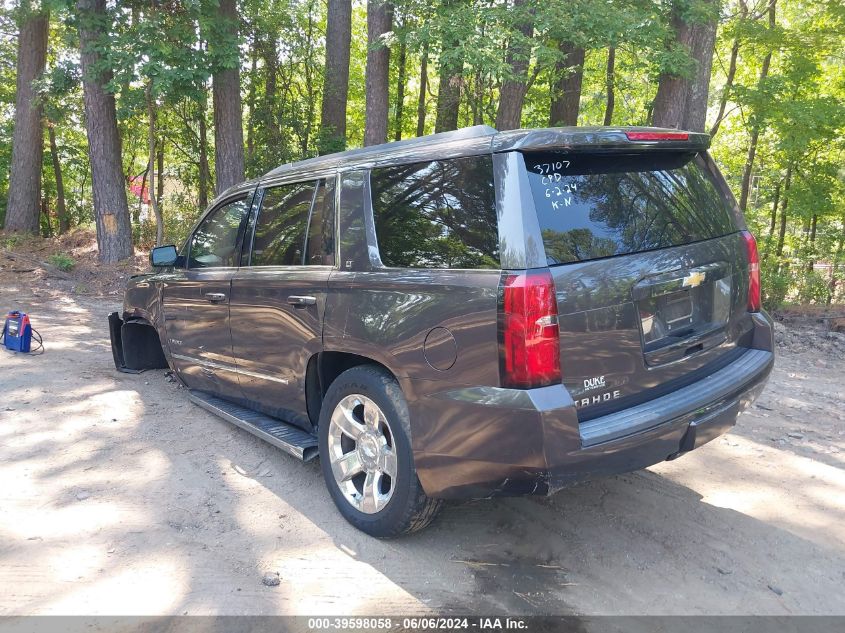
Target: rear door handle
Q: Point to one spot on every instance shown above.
(298, 301)
(215, 297)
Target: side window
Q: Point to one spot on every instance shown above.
(216, 241)
(350, 218)
(440, 214)
(319, 249)
(282, 221)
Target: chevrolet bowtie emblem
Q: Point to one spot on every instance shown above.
(694, 279)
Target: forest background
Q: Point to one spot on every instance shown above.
(128, 117)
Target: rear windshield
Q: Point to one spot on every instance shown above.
(592, 206)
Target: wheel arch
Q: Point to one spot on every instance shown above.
(323, 369)
(137, 345)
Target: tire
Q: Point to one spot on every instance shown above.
(368, 464)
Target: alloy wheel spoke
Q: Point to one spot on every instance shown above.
(363, 470)
(347, 466)
(346, 422)
(370, 501)
(371, 417)
(387, 462)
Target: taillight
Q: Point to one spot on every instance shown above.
(657, 136)
(754, 304)
(528, 331)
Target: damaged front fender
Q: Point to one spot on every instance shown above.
(135, 346)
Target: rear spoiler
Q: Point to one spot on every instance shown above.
(600, 139)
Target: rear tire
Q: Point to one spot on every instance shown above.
(366, 455)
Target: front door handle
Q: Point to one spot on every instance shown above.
(215, 297)
(298, 301)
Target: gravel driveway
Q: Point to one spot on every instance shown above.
(118, 496)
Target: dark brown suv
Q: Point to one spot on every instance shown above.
(467, 314)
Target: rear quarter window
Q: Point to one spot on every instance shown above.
(593, 206)
(438, 214)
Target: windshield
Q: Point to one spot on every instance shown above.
(600, 205)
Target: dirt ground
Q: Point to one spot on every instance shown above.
(118, 496)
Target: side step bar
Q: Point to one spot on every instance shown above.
(290, 439)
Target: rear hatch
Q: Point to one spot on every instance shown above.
(650, 270)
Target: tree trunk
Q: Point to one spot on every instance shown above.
(61, 207)
(151, 144)
(228, 115)
(310, 90)
(399, 113)
(451, 70)
(477, 97)
(755, 125)
(160, 172)
(448, 97)
(811, 262)
(731, 75)
(423, 87)
(608, 80)
(114, 231)
(517, 59)
(250, 103)
(45, 211)
(835, 263)
(204, 170)
(783, 208)
(670, 100)
(774, 216)
(24, 202)
(336, 78)
(379, 22)
(702, 45)
(745, 188)
(271, 71)
(681, 102)
(136, 213)
(726, 91)
(566, 88)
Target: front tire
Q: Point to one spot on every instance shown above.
(366, 456)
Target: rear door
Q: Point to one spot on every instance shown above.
(279, 298)
(650, 271)
(196, 300)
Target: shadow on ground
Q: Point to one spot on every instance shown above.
(121, 497)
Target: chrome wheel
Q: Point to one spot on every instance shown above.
(362, 453)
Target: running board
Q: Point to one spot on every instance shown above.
(287, 437)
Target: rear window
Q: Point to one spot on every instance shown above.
(592, 206)
(439, 214)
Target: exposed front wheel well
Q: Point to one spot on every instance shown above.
(140, 346)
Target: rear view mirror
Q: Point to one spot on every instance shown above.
(163, 256)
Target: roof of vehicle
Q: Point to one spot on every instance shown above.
(483, 139)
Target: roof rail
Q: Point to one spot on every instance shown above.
(483, 139)
(474, 133)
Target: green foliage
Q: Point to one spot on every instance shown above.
(813, 288)
(62, 261)
(11, 241)
(776, 281)
(173, 48)
(179, 220)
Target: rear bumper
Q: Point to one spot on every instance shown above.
(483, 442)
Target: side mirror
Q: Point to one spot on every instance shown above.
(163, 256)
